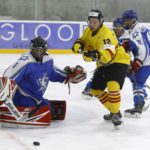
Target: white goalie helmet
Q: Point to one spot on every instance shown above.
(7, 88)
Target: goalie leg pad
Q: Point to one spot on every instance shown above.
(58, 109)
(40, 119)
(7, 88)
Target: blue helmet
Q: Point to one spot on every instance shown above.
(130, 14)
(118, 21)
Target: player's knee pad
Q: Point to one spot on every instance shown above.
(58, 109)
(39, 118)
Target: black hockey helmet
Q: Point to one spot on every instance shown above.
(38, 47)
(96, 13)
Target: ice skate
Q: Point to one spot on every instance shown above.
(134, 112)
(116, 120)
(86, 93)
(109, 116)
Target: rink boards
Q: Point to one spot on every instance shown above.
(15, 36)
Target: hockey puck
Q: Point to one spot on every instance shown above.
(36, 143)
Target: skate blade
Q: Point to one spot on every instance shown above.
(145, 108)
(87, 97)
(108, 120)
(135, 115)
(117, 127)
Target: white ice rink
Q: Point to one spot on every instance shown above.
(84, 127)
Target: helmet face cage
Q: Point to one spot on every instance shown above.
(96, 13)
(38, 47)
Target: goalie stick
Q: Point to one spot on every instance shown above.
(12, 108)
(7, 90)
(37, 103)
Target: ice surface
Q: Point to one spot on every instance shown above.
(84, 127)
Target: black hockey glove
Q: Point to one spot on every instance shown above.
(78, 46)
(93, 54)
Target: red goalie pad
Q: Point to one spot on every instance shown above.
(40, 119)
(42, 116)
(7, 88)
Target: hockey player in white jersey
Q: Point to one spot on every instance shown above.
(140, 66)
(31, 74)
(121, 33)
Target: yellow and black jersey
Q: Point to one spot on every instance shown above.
(105, 41)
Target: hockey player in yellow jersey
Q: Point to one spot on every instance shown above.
(99, 43)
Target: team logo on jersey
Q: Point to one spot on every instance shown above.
(42, 82)
(135, 35)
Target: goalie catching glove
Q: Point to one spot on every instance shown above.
(75, 74)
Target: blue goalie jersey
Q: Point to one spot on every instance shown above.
(32, 77)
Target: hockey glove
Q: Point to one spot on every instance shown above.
(136, 64)
(93, 54)
(75, 74)
(126, 46)
(78, 46)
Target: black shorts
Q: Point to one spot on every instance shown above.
(114, 72)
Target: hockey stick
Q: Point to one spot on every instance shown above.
(37, 103)
(34, 111)
(147, 86)
(8, 89)
(19, 116)
(12, 108)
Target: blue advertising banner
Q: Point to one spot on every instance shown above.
(17, 35)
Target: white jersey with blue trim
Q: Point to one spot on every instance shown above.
(129, 45)
(32, 77)
(124, 36)
(140, 35)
